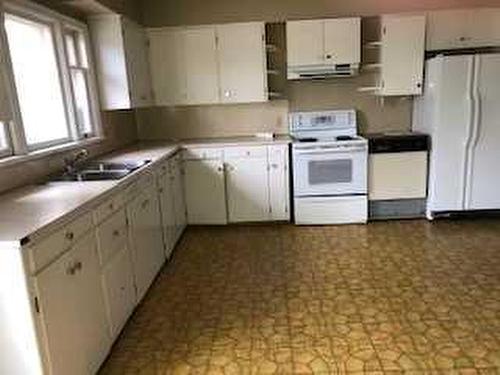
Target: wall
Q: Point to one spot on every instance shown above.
(119, 130)
(181, 12)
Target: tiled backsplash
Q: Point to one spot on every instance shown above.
(119, 129)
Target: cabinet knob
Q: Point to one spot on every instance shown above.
(70, 236)
(116, 233)
(220, 169)
(78, 266)
(328, 56)
(160, 190)
(227, 93)
(274, 166)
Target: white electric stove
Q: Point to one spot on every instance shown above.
(330, 163)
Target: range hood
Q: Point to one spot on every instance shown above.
(322, 71)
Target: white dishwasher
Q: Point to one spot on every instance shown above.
(397, 175)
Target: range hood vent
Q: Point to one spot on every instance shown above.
(322, 71)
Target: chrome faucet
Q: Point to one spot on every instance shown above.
(70, 162)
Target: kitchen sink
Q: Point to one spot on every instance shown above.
(101, 171)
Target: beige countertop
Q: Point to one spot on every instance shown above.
(235, 141)
(37, 209)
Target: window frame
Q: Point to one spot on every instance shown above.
(60, 25)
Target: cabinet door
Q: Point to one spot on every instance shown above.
(136, 55)
(343, 40)
(402, 55)
(205, 191)
(201, 65)
(248, 193)
(484, 27)
(72, 311)
(447, 29)
(279, 183)
(242, 62)
(166, 51)
(167, 212)
(119, 292)
(92, 321)
(179, 199)
(146, 237)
(305, 42)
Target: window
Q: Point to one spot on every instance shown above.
(4, 144)
(52, 79)
(38, 81)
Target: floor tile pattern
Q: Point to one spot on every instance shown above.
(406, 297)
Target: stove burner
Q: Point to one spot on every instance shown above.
(344, 138)
(308, 140)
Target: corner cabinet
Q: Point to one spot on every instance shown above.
(121, 55)
(402, 55)
(213, 64)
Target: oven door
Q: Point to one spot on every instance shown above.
(330, 170)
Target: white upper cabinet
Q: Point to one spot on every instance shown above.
(314, 44)
(343, 40)
(167, 57)
(200, 62)
(402, 55)
(304, 42)
(209, 64)
(121, 59)
(463, 28)
(242, 62)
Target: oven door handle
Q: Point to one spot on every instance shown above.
(330, 151)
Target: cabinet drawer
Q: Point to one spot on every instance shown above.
(112, 236)
(245, 152)
(202, 153)
(109, 207)
(47, 250)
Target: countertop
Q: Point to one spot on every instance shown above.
(37, 209)
(235, 141)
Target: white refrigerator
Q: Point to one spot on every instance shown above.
(460, 110)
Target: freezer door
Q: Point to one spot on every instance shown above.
(449, 80)
(483, 190)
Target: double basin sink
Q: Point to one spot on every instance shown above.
(101, 171)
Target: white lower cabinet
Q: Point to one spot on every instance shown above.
(146, 238)
(177, 186)
(205, 191)
(237, 184)
(72, 311)
(279, 183)
(166, 197)
(118, 281)
(247, 189)
(116, 270)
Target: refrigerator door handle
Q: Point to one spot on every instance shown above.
(474, 131)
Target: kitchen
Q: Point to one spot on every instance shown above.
(181, 213)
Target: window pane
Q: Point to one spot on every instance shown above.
(71, 49)
(82, 50)
(3, 137)
(37, 79)
(82, 105)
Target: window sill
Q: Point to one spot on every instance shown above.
(39, 154)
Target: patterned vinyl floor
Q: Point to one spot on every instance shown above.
(385, 298)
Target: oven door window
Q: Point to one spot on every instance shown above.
(330, 171)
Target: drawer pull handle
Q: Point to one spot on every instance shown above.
(111, 206)
(70, 236)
